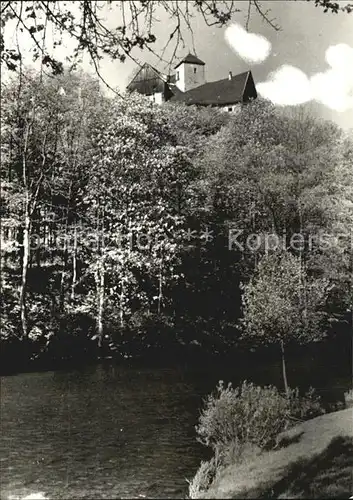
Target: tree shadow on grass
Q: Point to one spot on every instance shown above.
(328, 475)
(288, 440)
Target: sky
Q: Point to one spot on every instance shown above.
(310, 60)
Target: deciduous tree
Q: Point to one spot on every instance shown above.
(278, 309)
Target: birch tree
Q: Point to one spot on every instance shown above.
(273, 306)
(29, 135)
(134, 188)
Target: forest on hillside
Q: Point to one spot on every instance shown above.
(130, 228)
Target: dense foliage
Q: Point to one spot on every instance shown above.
(238, 423)
(128, 226)
(282, 305)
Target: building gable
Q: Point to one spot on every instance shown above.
(249, 89)
(147, 81)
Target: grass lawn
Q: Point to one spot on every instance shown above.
(312, 460)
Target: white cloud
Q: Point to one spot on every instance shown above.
(337, 56)
(333, 88)
(286, 86)
(249, 46)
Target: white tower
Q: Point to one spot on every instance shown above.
(189, 73)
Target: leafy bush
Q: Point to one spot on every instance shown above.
(236, 453)
(237, 423)
(246, 415)
(304, 407)
(235, 420)
(203, 478)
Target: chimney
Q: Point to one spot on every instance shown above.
(230, 75)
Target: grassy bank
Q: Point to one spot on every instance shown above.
(312, 460)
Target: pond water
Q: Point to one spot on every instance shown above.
(101, 432)
(104, 431)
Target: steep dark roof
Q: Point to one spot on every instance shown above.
(222, 92)
(190, 58)
(146, 81)
(177, 93)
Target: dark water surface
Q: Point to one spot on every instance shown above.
(101, 432)
(104, 431)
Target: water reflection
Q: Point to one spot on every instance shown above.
(104, 432)
(108, 431)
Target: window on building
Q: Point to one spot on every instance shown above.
(230, 109)
(194, 70)
(177, 76)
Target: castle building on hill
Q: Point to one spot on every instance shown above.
(188, 85)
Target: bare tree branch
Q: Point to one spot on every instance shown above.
(85, 23)
(265, 15)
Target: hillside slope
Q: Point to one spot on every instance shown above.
(313, 460)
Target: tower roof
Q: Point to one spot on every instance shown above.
(191, 59)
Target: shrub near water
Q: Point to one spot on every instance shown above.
(247, 414)
(237, 423)
(304, 407)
